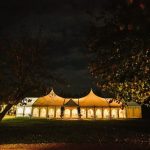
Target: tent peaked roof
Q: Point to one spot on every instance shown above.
(52, 99)
(52, 93)
(93, 100)
(71, 103)
(91, 91)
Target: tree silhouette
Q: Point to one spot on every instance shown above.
(120, 49)
(23, 68)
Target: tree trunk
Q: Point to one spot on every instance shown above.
(6, 109)
(18, 95)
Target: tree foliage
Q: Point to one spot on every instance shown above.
(119, 40)
(23, 68)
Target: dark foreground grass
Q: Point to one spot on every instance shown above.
(24, 130)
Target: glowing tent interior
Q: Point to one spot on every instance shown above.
(90, 106)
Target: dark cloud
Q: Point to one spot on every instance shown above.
(65, 23)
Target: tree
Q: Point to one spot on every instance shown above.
(23, 69)
(121, 49)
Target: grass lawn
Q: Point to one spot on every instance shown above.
(24, 130)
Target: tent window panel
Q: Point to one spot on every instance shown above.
(106, 113)
(99, 113)
(114, 113)
(130, 112)
(137, 112)
(83, 113)
(58, 112)
(20, 110)
(90, 113)
(43, 112)
(27, 111)
(67, 113)
(51, 113)
(74, 113)
(35, 112)
(122, 113)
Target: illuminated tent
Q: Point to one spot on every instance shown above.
(24, 109)
(133, 110)
(90, 106)
(51, 99)
(48, 106)
(70, 103)
(93, 100)
(93, 106)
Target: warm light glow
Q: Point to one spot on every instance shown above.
(130, 112)
(98, 113)
(137, 112)
(114, 113)
(90, 107)
(43, 112)
(51, 113)
(133, 112)
(67, 113)
(74, 113)
(122, 113)
(106, 113)
(35, 112)
(58, 111)
(20, 110)
(90, 113)
(27, 111)
(83, 113)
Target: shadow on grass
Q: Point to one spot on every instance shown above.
(25, 130)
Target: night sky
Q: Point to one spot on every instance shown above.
(66, 23)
